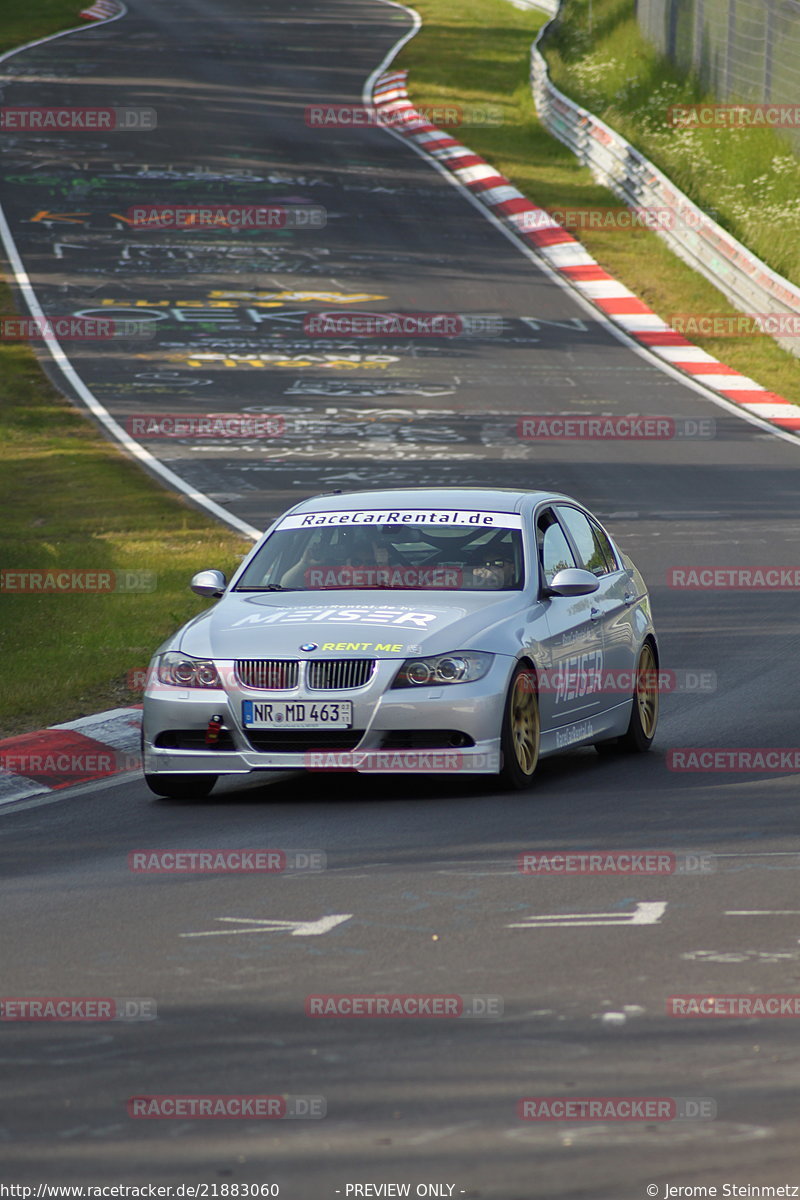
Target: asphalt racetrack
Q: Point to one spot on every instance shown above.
(423, 873)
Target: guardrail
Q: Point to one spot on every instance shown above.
(744, 279)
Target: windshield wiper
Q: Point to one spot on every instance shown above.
(268, 587)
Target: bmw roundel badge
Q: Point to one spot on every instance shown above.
(309, 646)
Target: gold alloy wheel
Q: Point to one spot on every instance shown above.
(525, 729)
(647, 691)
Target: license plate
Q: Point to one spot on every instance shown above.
(296, 714)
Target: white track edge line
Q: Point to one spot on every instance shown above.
(61, 359)
(66, 32)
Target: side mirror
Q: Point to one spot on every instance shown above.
(573, 581)
(208, 583)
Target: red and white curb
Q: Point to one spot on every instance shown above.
(80, 751)
(102, 10)
(568, 258)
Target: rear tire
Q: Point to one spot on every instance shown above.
(181, 787)
(638, 738)
(520, 734)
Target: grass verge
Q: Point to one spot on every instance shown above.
(479, 54)
(72, 500)
(24, 22)
(747, 179)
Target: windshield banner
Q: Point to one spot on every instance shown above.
(425, 516)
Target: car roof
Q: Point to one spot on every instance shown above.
(509, 500)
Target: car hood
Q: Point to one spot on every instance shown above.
(350, 624)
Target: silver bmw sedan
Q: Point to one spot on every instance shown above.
(418, 630)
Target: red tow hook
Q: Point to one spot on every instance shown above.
(212, 732)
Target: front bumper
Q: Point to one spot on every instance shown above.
(472, 710)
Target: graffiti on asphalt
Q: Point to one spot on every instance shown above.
(332, 362)
(334, 387)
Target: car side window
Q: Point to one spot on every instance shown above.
(606, 547)
(554, 550)
(590, 551)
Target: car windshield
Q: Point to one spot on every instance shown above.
(390, 555)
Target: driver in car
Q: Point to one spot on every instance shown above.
(359, 552)
(495, 571)
(316, 554)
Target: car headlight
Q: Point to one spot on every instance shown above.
(179, 670)
(464, 666)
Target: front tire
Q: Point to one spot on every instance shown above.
(181, 787)
(520, 734)
(638, 738)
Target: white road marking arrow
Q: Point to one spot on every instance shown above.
(643, 914)
(295, 928)
(58, 248)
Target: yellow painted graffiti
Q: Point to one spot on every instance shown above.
(220, 299)
(331, 362)
(370, 361)
(299, 297)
